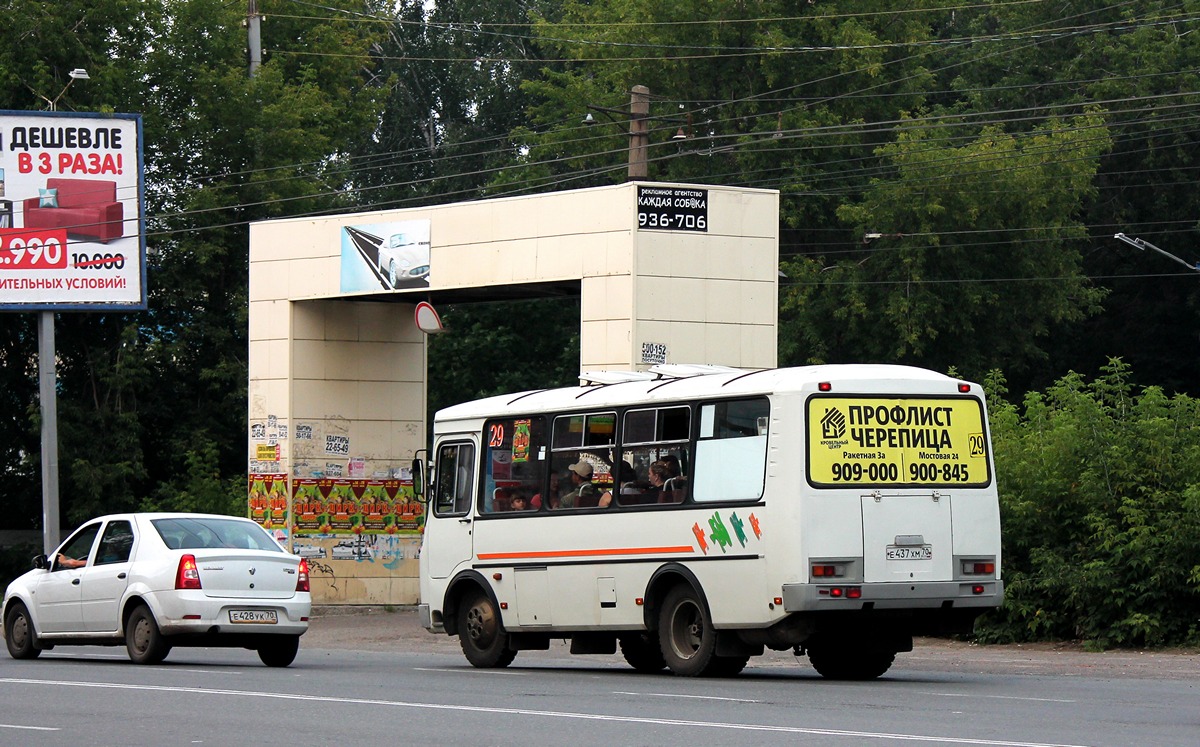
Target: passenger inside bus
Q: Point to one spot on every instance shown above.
(585, 493)
(536, 501)
(628, 479)
(518, 502)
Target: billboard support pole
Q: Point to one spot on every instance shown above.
(48, 394)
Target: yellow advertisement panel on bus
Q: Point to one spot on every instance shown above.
(888, 441)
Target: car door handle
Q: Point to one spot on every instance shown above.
(121, 575)
(75, 582)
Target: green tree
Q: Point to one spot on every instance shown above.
(981, 269)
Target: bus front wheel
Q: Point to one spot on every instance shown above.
(688, 639)
(484, 641)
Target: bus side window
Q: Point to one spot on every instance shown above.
(656, 435)
(731, 451)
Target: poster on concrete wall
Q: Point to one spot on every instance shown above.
(385, 256)
(342, 506)
(71, 212)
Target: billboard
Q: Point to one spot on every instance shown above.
(71, 211)
(385, 256)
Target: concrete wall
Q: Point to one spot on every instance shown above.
(337, 380)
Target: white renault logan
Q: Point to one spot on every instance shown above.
(154, 581)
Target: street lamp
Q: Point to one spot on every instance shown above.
(639, 131)
(76, 74)
(48, 391)
(1142, 244)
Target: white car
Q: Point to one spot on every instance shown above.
(153, 581)
(403, 259)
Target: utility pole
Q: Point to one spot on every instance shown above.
(639, 134)
(254, 32)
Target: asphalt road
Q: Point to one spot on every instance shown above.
(377, 678)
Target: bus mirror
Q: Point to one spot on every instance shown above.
(418, 476)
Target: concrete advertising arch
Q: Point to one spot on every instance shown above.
(666, 273)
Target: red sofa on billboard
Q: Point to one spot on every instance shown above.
(84, 207)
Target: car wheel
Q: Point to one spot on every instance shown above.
(392, 273)
(687, 635)
(643, 652)
(19, 635)
(279, 653)
(143, 640)
(484, 641)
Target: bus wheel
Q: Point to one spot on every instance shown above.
(643, 652)
(484, 642)
(843, 665)
(687, 635)
(727, 666)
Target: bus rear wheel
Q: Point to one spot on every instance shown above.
(688, 639)
(727, 666)
(847, 665)
(484, 640)
(643, 652)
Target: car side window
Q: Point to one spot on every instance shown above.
(79, 547)
(115, 544)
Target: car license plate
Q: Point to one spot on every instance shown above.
(916, 552)
(253, 617)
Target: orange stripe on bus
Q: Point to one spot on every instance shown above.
(580, 553)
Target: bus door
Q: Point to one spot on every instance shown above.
(907, 537)
(447, 545)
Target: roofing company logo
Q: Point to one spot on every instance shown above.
(833, 424)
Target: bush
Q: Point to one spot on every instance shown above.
(1100, 504)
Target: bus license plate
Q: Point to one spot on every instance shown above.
(253, 617)
(919, 552)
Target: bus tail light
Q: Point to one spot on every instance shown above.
(825, 386)
(828, 570)
(977, 589)
(964, 388)
(840, 592)
(978, 567)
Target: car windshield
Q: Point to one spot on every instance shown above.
(212, 533)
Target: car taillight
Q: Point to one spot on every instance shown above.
(302, 577)
(188, 574)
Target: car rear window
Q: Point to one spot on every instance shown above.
(211, 534)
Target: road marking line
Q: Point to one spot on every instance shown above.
(192, 692)
(460, 670)
(30, 728)
(996, 697)
(697, 697)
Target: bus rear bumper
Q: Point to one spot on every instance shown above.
(915, 595)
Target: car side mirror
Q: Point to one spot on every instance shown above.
(41, 562)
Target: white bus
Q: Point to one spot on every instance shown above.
(834, 510)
